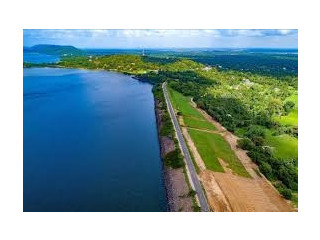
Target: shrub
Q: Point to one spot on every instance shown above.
(264, 120)
(196, 208)
(167, 128)
(174, 159)
(287, 174)
(266, 169)
(276, 169)
(259, 155)
(286, 193)
(280, 130)
(258, 141)
(256, 134)
(255, 131)
(288, 106)
(192, 193)
(245, 143)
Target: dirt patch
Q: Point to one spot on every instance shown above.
(159, 113)
(216, 198)
(250, 195)
(225, 166)
(177, 191)
(166, 145)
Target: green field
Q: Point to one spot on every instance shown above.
(191, 116)
(292, 118)
(212, 146)
(198, 123)
(182, 104)
(285, 146)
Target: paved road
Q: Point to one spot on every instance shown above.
(194, 177)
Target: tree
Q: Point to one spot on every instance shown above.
(286, 193)
(288, 106)
(266, 169)
(174, 159)
(275, 106)
(245, 143)
(255, 131)
(258, 141)
(264, 119)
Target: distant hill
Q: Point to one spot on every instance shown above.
(54, 49)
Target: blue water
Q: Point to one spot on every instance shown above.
(39, 58)
(90, 143)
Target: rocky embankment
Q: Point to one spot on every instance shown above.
(176, 185)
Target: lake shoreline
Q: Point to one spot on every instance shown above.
(176, 186)
(88, 91)
(175, 182)
(173, 179)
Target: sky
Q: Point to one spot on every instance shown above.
(158, 38)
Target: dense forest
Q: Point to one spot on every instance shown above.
(279, 63)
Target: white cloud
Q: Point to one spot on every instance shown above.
(284, 31)
(212, 32)
(162, 37)
(167, 32)
(250, 32)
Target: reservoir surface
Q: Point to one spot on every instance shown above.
(39, 58)
(89, 143)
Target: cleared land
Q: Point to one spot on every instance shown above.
(230, 192)
(231, 180)
(197, 123)
(213, 147)
(192, 117)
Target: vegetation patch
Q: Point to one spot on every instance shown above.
(291, 119)
(212, 146)
(282, 172)
(254, 95)
(174, 159)
(284, 146)
(191, 116)
(182, 104)
(198, 123)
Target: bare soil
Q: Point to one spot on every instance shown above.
(216, 198)
(177, 191)
(167, 145)
(250, 195)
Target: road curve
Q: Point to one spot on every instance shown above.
(193, 174)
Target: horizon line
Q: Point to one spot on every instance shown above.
(156, 48)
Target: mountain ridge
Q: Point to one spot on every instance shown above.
(52, 49)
